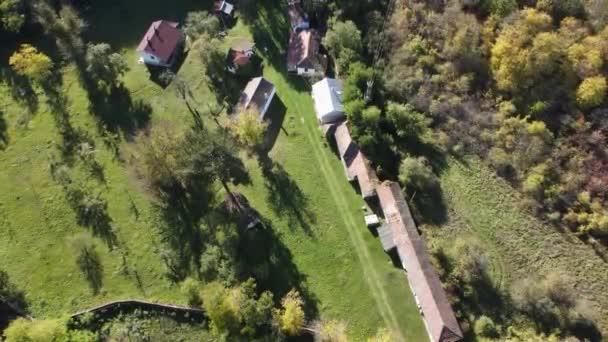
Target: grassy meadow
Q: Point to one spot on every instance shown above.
(307, 201)
(485, 208)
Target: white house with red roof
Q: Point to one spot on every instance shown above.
(161, 44)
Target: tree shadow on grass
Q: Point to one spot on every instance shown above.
(285, 196)
(73, 138)
(270, 262)
(276, 116)
(479, 297)
(91, 267)
(14, 298)
(3, 131)
(181, 214)
(270, 31)
(428, 204)
(118, 112)
(21, 89)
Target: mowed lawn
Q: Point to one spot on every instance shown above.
(484, 207)
(311, 206)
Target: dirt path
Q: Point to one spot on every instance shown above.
(354, 226)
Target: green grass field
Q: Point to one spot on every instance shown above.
(484, 207)
(310, 205)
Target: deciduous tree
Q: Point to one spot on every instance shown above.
(31, 63)
(248, 128)
(290, 317)
(416, 174)
(201, 22)
(11, 15)
(591, 92)
(105, 66)
(343, 40)
(330, 331)
(47, 330)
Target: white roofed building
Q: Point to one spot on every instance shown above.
(327, 95)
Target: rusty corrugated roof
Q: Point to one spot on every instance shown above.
(424, 281)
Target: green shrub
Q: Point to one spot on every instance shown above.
(485, 327)
(417, 174)
(191, 289)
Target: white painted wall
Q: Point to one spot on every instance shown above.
(268, 102)
(151, 59)
(308, 72)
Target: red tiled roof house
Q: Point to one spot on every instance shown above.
(303, 57)
(161, 44)
(239, 55)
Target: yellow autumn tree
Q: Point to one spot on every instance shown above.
(31, 63)
(591, 92)
(586, 57)
(510, 55)
(36, 331)
(290, 317)
(330, 331)
(248, 128)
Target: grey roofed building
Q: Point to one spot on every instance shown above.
(327, 95)
(257, 94)
(430, 296)
(386, 238)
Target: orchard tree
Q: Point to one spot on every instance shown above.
(290, 317)
(201, 22)
(157, 154)
(105, 66)
(31, 63)
(248, 128)
(212, 156)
